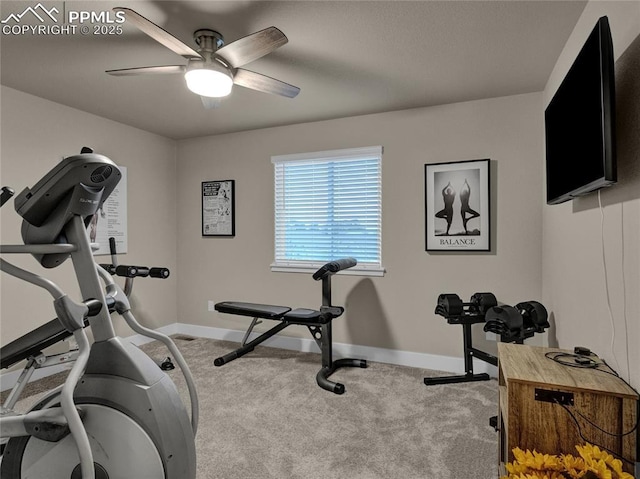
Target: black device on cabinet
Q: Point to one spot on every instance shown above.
(580, 122)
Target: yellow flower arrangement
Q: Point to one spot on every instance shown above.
(592, 463)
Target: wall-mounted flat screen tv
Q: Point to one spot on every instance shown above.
(580, 122)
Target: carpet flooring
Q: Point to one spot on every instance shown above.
(263, 416)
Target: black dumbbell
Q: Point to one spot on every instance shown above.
(504, 320)
(450, 305)
(534, 315)
(483, 301)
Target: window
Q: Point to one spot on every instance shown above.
(328, 206)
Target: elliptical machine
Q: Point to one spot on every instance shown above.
(117, 415)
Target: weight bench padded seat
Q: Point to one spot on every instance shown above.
(268, 311)
(32, 343)
(306, 316)
(254, 310)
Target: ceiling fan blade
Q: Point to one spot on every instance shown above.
(210, 102)
(159, 70)
(252, 47)
(263, 83)
(159, 34)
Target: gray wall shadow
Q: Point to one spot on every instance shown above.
(367, 322)
(552, 337)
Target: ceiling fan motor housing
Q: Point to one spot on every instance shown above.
(209, 42)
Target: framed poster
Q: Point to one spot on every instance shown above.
(457, 206)
(218, 208)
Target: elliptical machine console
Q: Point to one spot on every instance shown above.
(78, 185)
(124, 418)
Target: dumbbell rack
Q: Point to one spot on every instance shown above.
(467, 314)
(469, 353)
(513, 325)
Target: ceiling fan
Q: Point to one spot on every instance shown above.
(213, 68)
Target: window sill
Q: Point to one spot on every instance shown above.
(310, 269)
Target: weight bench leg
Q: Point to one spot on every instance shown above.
(328, 365)
(248, 347)
(464, 378)
(325, 372)
(254, 321)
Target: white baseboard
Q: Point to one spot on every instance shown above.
(391, 356)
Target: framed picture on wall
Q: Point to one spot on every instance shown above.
(218, 208)
(457, 206)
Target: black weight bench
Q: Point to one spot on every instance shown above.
(317, 321)
(34, 342)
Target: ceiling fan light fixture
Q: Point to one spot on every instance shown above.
(208, 82)
(213, 69)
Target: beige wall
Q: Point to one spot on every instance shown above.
(395, 311)
(574, 282)
(36, 135)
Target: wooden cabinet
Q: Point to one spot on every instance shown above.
(547, 406)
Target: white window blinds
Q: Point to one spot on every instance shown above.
(328, 206)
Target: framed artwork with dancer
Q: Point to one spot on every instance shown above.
(457, 206)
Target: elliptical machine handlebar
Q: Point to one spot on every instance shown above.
(6, 194)
(129, 271)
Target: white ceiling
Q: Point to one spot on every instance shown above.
(348, 57)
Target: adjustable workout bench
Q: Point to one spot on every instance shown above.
(318, 323)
